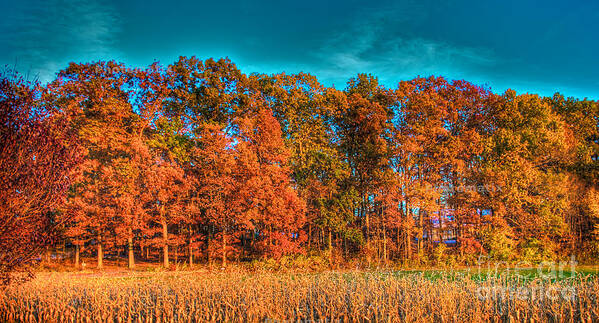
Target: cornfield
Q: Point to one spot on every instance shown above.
(327, 297)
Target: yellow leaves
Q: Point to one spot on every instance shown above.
(592, 200)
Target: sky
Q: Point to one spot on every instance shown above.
(529, 46)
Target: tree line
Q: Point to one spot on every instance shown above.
(201, 160)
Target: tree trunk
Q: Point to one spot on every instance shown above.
(224, 255)
(384, 245)
(408, 244)
(208, 245)
(48, 255)
(130, 245)
(309, 234)
(459, 242)
(190, 248)
(100, 254)
(76, 256)
(330, 247)
(190, 253)
(397, 254)
(344, 247)
(165, 243)
(421, 235)
(367, 225)
(320, 239)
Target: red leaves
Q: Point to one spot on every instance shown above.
(203, 155)
(264, 183)
(37, 155)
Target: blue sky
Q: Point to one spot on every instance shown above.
(537, 47)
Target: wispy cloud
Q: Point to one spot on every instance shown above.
(42, 37)
(375, 44)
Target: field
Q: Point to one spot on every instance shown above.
(383, 296)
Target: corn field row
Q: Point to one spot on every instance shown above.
(325, 297)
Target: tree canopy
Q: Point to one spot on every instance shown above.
(225, 166)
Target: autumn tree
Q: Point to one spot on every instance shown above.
(217, 186)
(106, 194)
(205, 96)
(524, 156)
(167, 186)
(582, 122)
(440, 129)
(306, 110)
(270, 204)
(242, 166)
(37, 155)
(205, 90)
(364, 129)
